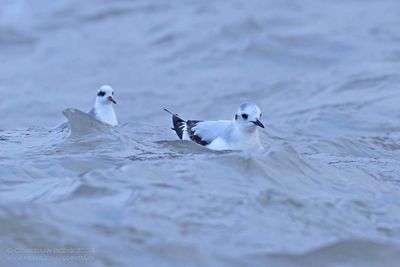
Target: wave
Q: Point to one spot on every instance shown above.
(354, 253)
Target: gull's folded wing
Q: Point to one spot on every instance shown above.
(204, 132)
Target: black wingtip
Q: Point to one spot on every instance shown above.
(178, 124)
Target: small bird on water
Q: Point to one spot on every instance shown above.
(103, 109)
(240, 133)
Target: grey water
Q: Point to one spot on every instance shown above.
(324, 193)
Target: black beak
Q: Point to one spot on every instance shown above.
(110, 98)
(258, 123)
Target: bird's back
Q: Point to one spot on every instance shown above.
(210, 130)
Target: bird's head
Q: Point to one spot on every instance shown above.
(248, 116)
(105, 95)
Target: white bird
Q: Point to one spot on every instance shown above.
(240, 133)
(103, 109)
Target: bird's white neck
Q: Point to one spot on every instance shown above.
(247, 137)
(105, 113)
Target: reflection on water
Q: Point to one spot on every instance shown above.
(323, 193)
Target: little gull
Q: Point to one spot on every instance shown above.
(241, 133)
(103, 109)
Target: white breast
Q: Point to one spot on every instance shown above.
(106, 114)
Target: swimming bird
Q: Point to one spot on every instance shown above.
(103, 109)
(240, 133)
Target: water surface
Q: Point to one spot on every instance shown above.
(325, 192)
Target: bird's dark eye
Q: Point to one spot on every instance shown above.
(101, 93)
(245, 116)
(112, 93)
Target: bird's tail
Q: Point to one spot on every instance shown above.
(179, 124)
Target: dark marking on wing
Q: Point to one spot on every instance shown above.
(195, 138)
(179, 125)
